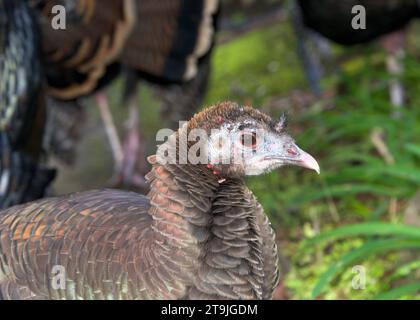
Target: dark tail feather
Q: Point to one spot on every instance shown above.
(22, 179)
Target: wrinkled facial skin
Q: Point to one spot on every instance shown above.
(251, 148)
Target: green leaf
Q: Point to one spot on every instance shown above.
(399, 292)
(404, 270)
(370, 248)
(308, 194)
(413, 148)
(368, 229)
(403, 172)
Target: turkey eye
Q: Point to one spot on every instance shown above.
(249, 139)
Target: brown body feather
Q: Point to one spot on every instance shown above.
(170, 37)
(190, 238)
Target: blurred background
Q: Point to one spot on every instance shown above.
(352, 232)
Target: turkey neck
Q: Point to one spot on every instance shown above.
(212, 225)
(181, 198)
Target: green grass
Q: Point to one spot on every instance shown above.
(358, 184)
(254, 67)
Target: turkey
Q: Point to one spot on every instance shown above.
(83, 56)
(166, 43)
(23, 175)
(200, 233)
(385, 20)
(79, 60)
(333, 19)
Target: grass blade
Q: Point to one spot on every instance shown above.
(368, 229)
(370, 248)
(399, 292)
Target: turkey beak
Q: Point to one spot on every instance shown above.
(307, 161)
(291, 154)
(298, 157)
